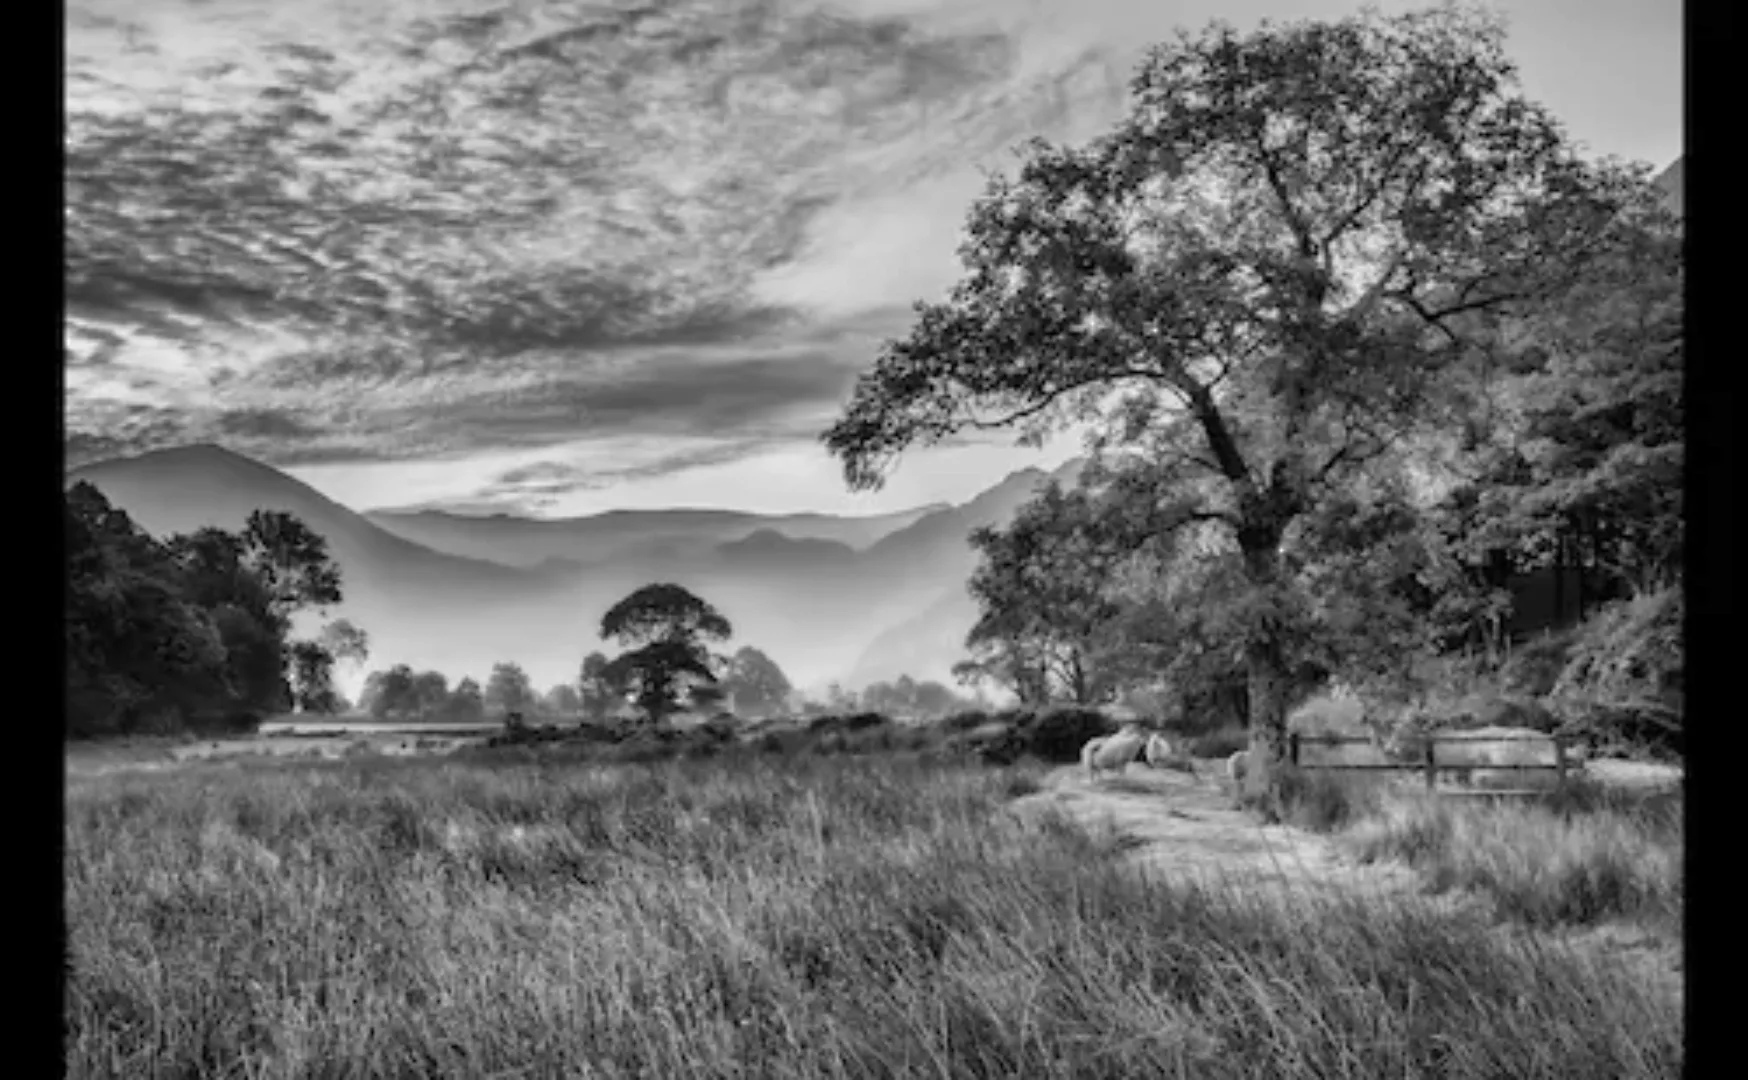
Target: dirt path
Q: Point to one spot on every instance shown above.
(1187, 828)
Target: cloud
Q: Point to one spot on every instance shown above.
(316, 230)
(326, 231)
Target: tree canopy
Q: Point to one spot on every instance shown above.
(756, 683)
(194, 630)
(1295, 235)
(665, 628)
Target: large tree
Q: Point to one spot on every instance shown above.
(664, 628)
(193, 630)
(1044, 589)
(1293, 232)
(139, 646)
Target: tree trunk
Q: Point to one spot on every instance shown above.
(1267, 673)
(1560, 579)
(1586, 537)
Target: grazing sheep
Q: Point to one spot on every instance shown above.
(1112, 752)
(1162, 755)
(1236, 767)
(1089, 752)
(1158, 750)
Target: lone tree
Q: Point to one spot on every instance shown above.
(1293, 233)
(664, 628)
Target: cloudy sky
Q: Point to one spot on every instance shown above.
(554, 258)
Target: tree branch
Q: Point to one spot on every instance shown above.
(1037, 407)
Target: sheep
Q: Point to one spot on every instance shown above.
(1236, 767)
(1158, 750)
(1162, 755)
(1112, 752)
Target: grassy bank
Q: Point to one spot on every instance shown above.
(754, 916)
(1579, 858)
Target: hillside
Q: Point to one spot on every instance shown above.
(516, 541)
(815, 603)
(1672, 182)
(191, 487)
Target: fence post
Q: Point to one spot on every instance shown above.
(1293, 748)
(1559, 763)
(1431, 763)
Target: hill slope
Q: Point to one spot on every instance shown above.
(516, 541)
(813, 602)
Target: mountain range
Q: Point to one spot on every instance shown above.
(848, 599)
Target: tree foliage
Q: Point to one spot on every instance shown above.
(757, 684)
(665, 628)
(508, 689)
(1292, 235)
(193, 630)
(599, 689)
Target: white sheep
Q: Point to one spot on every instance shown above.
(1112, 752)
(1236, 767)
(1162, 755)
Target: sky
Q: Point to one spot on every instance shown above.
(556, 258)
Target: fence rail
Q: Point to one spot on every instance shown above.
(1429, 757)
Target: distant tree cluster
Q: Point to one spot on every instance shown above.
(906, 697)
(194, 631)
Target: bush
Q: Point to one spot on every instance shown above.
(1534, 666)
(966, 721)
(1326, 801)
(853, 722)
(1623, 681)
(1219, 743)
(1058, 734)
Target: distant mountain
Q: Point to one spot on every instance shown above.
(191, 487)
(924, 646)
(516, 541)
(1672, 183)
(925, 568)
(419, 606)
(459, 594)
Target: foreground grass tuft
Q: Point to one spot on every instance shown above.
(785, 918)
(1576, 861)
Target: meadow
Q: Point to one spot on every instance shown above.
(801, 915)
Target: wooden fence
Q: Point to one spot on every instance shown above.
(1429, 758)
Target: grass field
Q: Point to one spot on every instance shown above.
(756, 915)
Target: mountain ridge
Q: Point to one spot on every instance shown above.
(815, 604)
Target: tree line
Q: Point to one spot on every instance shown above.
(195, 631)
(667, 664)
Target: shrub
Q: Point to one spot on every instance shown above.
(1623, 680)
(1219, 743)
(1327, 801)
(1057, 734)
(852, 722)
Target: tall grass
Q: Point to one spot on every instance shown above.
(823, 917)
(1577, 857)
